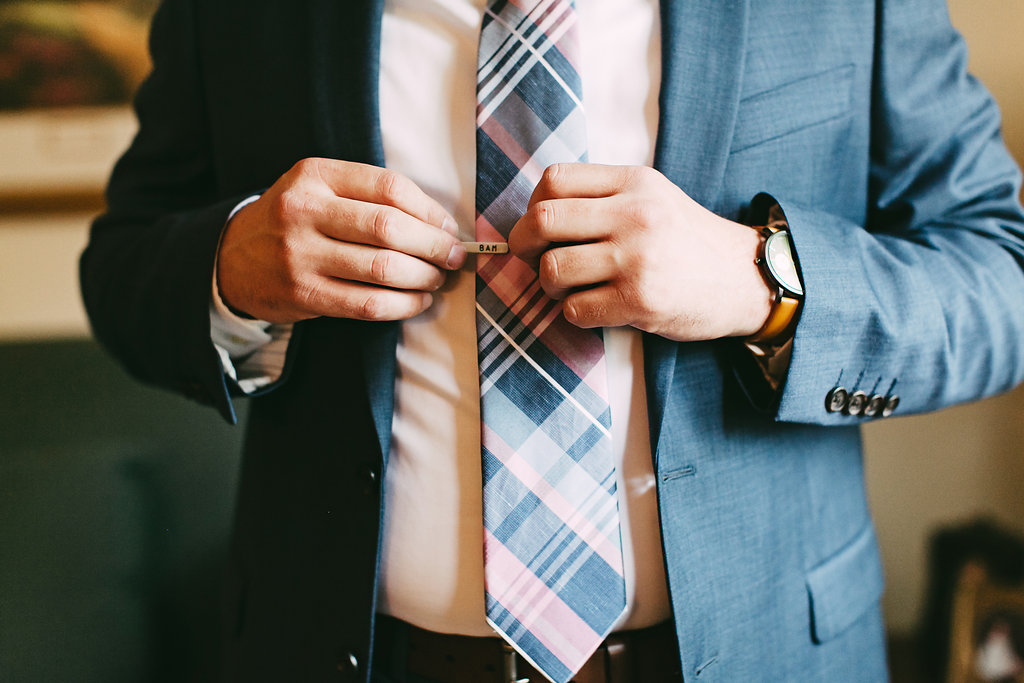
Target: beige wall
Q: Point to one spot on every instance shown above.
(922, 472)
(39, 286)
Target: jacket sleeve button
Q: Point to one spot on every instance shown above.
(875, 406)
(858, 401)
(836, 399)
(890, 405)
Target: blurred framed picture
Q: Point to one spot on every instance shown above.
(68, 71)
(987, 630)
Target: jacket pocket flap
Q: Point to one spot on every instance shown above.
(793, 106)
(845, 586)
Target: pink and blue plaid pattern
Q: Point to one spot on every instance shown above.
(552, 552)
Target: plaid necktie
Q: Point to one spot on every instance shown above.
(552, 553)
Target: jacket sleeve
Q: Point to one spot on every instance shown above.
(146, 272)
(925, 301)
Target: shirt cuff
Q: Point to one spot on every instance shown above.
(252, 352)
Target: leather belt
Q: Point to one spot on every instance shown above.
(649, 655)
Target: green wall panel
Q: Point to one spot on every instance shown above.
(115, 508)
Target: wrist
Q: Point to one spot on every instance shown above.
(225, 297)
(754, 297)
(738, 300)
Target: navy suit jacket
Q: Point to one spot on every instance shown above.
(857, 116)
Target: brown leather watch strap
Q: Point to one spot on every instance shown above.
(777, 327)
(783, 315)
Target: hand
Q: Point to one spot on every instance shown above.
(338, 239)
(625, 246)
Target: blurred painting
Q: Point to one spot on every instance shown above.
(68, 71)
(63, 54)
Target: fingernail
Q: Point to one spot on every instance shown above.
(457, 256)
(450, 226)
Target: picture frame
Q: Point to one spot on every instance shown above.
(68, 71)
(60, 161)
(987, 634)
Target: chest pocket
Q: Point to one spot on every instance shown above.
(792, 107)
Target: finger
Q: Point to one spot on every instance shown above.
(385, 267)
(359, 222)
(359, 301)
(561, 221)
(564, 269)
(560, 181)
(377, 185)
(598, 307)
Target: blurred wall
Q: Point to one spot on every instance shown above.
(925, 472)
(39, 296)
(922, 472)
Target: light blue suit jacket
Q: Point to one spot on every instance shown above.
(856, 116)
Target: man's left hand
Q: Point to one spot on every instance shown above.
(625, 246)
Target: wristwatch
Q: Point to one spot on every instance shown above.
(778, 267)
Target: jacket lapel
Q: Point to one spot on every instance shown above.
(344, 64)
(702, 64)
(344, 50)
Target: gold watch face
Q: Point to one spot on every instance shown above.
(778, 254)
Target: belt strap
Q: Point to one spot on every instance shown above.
(649, 655)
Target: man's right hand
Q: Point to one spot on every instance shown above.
(338, 239)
